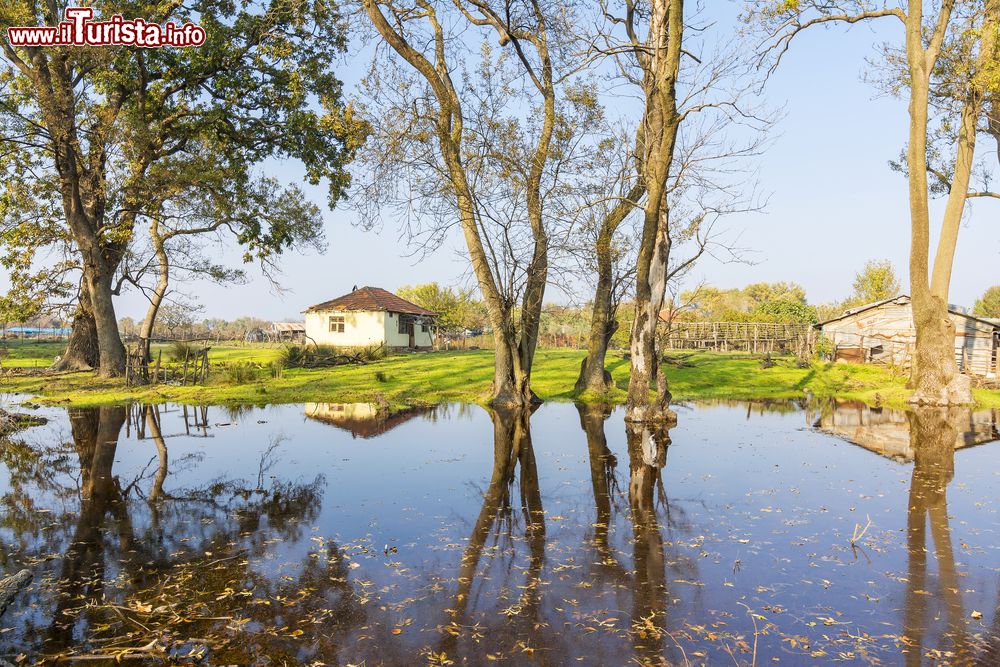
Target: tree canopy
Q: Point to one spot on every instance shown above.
(988, 305)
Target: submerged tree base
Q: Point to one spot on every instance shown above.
(654, 415)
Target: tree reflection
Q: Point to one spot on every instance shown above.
(647, 454)
(145, 563)
(83, 573)
(605, 488)
(933, 434)
(513, 460)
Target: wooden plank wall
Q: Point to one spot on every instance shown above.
(886, 334)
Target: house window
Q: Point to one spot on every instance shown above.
(401, 326)
(336, 324)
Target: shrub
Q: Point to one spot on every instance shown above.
(318, 356)
(371, 353)
(180, 349)
(241, 373)
(277, 369)
(380, 376)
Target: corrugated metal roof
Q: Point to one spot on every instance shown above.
(901, 299)
(288, 327)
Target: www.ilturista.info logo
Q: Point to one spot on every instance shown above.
(78, 29)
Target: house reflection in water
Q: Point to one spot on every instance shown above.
(886, 432)
(363, 420)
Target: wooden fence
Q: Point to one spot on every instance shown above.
(756, 337)
(193, 369)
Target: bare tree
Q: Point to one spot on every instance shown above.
(688, 99)
(947, 68)
(480, 153)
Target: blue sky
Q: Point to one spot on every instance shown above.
(834, 202)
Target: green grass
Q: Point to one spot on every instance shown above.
(29, 353)
(463, 376)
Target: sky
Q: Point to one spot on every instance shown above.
(834, 203)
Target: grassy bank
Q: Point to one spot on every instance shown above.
(460, 376)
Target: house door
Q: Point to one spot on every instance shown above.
(409, 331)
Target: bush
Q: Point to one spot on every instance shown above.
(369, 353)
(319, 356)
(180, 349)
(241, 373)
(277, 369)
(380, 376)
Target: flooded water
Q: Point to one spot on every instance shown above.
(332, 534)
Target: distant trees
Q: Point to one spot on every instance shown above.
(783, 302)
(947, 67)
(457, 307)
(988, 305)
(875, 282)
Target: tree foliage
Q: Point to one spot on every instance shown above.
(457, 308)
(875, 282)
(988, 305)
(90, 134)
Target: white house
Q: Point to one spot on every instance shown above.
(369, 316)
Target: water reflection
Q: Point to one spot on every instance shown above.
(934, 434)
(363, 420)
(500, 537)
(647, 453)
(888, 432)
(496, 530)
(604, 483)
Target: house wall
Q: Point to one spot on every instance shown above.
(421, 333)
(890, 326)
(887, 432)
(361, 328)
(340, 412)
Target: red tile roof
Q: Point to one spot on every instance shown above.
(372, 299)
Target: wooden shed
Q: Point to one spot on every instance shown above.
(883, 332)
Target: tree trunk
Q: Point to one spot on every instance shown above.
(109, 342)
(155, 299)
(934, 375)
(650, 288)
(82, 353)
(514, 357)
(660, 123)
(593, 376)
(511, 387)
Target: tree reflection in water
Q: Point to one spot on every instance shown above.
(933, 433)
(154, 574)
(604, 484)
(647, 453)
(513, 459)
(156, 558)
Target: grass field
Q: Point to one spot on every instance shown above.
(457, 376)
